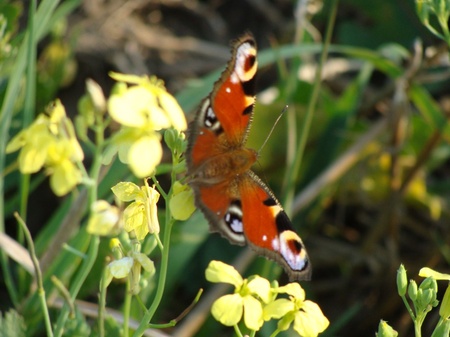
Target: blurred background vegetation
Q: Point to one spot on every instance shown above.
(373, 188)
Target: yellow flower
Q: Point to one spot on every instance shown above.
(141, 215)
(64, 174)
(142, 109)
(246, 300)
(306, 315)
(50, 142)
(181, 203)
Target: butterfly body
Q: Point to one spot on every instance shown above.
(235, 201)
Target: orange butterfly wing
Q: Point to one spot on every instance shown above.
(234, 200)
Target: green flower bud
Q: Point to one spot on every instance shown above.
(385, 330)
(412, 290)
(402, 281)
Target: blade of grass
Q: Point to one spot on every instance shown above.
(42, 16)
(294, 168)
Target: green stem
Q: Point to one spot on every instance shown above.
(417, 329)
(162, 277)
(102, 305)
(85, 268)
(91, 254)
(126, 310)
(275, 333)
(238, 332)
(408, 307)
(293, 170)
(41, 290)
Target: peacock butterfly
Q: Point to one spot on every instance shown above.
(235, 201)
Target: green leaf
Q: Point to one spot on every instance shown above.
(12, 324)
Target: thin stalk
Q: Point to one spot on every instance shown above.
(84, 271)
(237, 331)
(91, 254)
(162, 277)
(144, 324)
(38, 274)
(126, 310)
(102, 305)
(293, 170)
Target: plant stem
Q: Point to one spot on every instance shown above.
(41, 290)
(162, 277)
(293, 170)
(238, 332)
(126, 309)
(102, 305)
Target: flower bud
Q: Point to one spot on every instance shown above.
(412, 290)
(402, 281)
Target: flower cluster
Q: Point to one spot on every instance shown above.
(142, 109)
(50, 143)
(257, 301)
(422, 299)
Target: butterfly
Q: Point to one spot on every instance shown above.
(233, 198)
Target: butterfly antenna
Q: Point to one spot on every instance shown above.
(273, 127)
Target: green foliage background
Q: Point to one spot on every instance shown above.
(381, 114)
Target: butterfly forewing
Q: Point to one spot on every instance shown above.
(269, 231)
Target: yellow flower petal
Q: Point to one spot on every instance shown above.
(127, 78)
(173, 110)
(427, 272)
(64, 177)
(278, 308)
(294, 289)
(228, 309)
(134, 219)
(152, 197)
(261, 287)
(310, 321)
(121, 268)
(32, 158)
(126, 191)
(253, 313)
(144, 155)
(218, 271)
(17, 142)
(132, 108)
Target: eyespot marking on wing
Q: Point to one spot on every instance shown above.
(246, 64)
(233, 217)
(291, 248)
